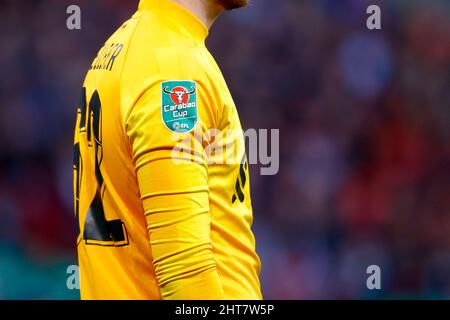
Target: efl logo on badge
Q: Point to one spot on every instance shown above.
(179, 105)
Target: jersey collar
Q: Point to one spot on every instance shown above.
(179, 16)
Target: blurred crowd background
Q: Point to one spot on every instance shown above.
(364, 121)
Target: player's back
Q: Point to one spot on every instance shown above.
(112, 243)
(115, 138)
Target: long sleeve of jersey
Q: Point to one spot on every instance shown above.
(173, 181)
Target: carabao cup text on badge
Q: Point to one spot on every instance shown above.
(179, 105)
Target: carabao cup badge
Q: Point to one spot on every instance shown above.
(179, 105)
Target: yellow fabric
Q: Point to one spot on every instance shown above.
(186, 220)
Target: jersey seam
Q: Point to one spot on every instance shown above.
(122, 123)
(220, 110)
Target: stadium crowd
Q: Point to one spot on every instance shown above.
(364, 157)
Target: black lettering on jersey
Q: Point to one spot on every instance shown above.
(107, 56)
(82, 110)
(77, 159)
(77, 167)
(97, 230)
(240, 182)
(113, 57)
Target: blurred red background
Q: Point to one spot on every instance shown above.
(364, 123)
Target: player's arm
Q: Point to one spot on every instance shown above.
(175, 199)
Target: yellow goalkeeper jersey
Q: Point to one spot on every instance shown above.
(161, 184)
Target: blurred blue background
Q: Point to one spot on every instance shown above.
(364, 124)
